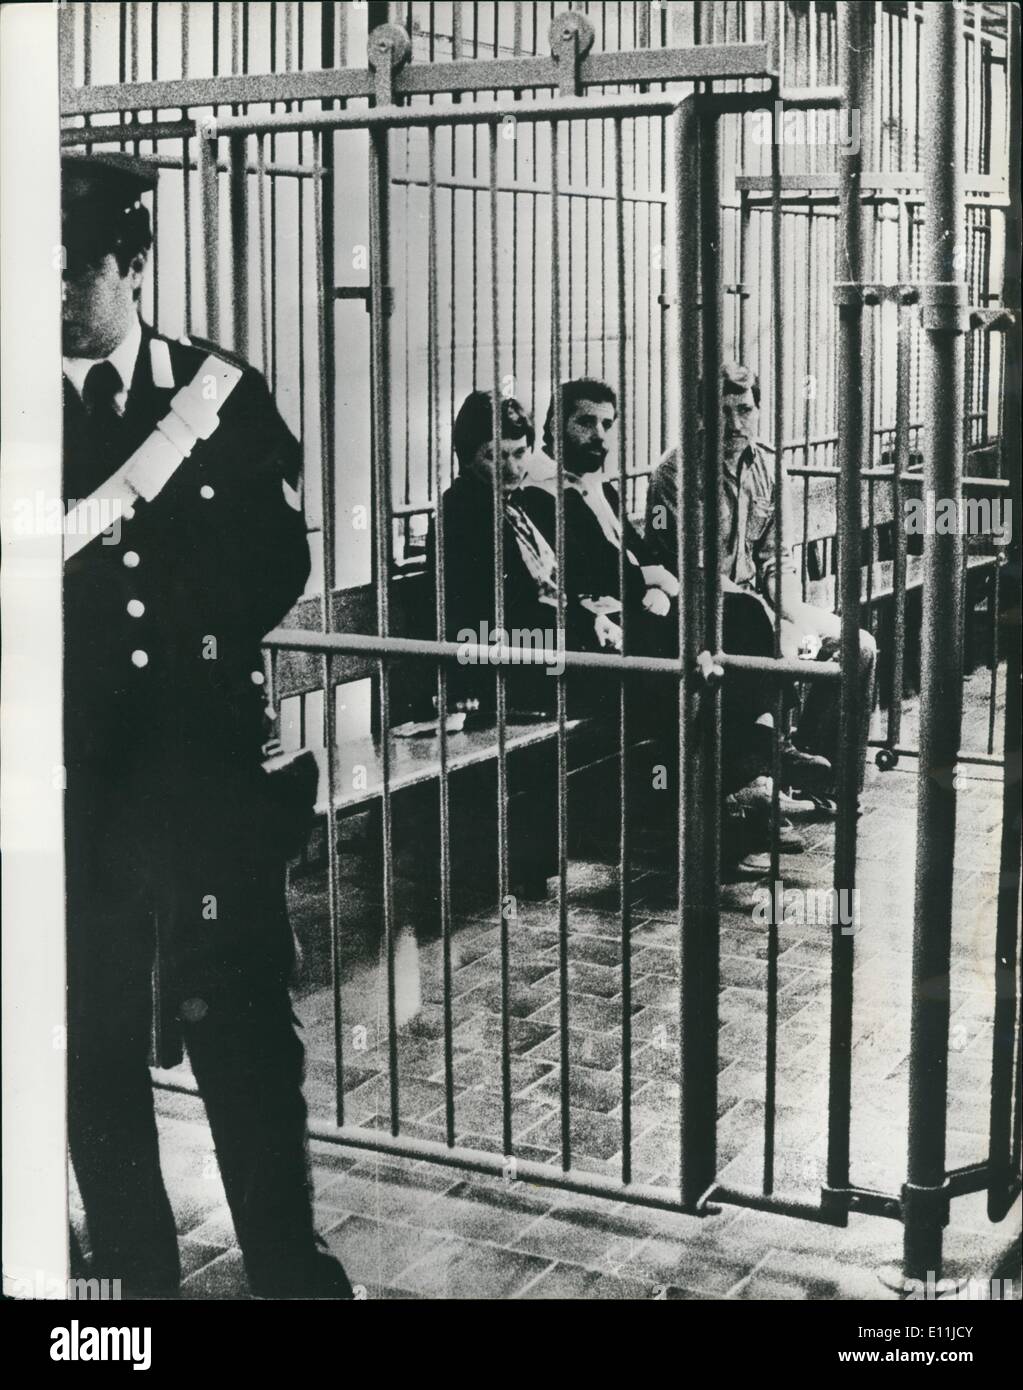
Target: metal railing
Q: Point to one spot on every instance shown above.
(694, 123)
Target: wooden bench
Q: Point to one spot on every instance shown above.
(414, 763)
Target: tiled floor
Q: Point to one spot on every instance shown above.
(412, 1229)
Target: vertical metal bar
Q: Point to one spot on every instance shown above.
(323, 155)
(698, 964)
(559, 450)
(264, 269)
(209, 188)
(745, 258)
(501, 691)
(856, 50)
(777, 394)
(811, 323)
(925, 1204)
(706, 843)
(902, 388)
(239, 187)
(406, 346)
(1003, 1150)
(624, 848)
(328, 561)
(186, 217)
(433, 393)
(379, 253)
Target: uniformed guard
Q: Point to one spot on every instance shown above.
(184, 545)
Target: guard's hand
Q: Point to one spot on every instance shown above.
(609, 634)
(657, 602)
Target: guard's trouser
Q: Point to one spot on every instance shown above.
(220, 902)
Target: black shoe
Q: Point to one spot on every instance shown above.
(316, 1275)
(746, 843)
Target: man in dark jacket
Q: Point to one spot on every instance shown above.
(178, 450)
(530, 578)
(596, 524)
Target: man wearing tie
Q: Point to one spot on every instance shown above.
(180, 446)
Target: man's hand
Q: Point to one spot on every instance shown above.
(658, 577)
(657, 602)
(609, 634)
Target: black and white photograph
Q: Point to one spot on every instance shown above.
(512, 661)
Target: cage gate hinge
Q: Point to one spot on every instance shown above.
(572, 36)
(389, 49)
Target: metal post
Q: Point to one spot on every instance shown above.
(209, 191)
(562, 708)
(624, 845)
(239, 204)
(379, 252)
(925, 1198)
(501, 711)
(1003, 1151)
(902, 389)
(328, 577)
(433, 394)
(855, 19)
(698, 945)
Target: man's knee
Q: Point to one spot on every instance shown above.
(868, 651)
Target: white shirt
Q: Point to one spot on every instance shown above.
(122, 359)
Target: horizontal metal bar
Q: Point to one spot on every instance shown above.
(781, 668)
(71, 136)
(472, 654)
(868, 1202)
(480, 185)
(225, 90)
(271, 166)
(896, 182)
(970, 759)
(974, 1177)
(886, 475)
(704, 62)
(961, 1181)
(470, 1160)
(804, 98)
(757, 1201)
(823, 203)
(412, 117)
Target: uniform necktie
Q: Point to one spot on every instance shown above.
(99, 392)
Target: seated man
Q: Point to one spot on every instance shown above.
(530, 611)
(748, 558)
(596, 524)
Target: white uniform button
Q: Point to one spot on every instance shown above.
(136, 607)
(130, 559)
(140, 658)
(206, 491)
(258, 678)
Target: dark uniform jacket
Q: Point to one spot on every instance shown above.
(208, 567)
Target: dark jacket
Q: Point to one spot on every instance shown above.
(468, 520)
(216, 560)
(591, 559)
